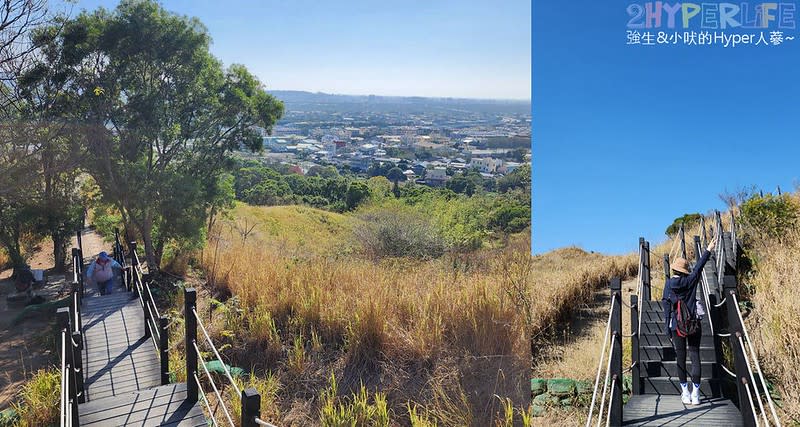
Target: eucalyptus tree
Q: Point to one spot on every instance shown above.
(161, 116)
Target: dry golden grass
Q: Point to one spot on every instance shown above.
(446, 335)
(569, 277)
(775, 324)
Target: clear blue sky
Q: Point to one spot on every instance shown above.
(458, 48)
(627, 138)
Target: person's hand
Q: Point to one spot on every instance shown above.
(713, 244)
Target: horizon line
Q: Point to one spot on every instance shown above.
(401, 96)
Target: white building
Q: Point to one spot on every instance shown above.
(436, 176)
(486, 164)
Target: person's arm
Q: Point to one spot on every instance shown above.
(115, 264)
(698, 268)
(666, 304)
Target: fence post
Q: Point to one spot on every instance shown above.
(64, 319)
(615, 415)
(163, 347)
(703, 242)
(735, 327)
(77, 267)
(189, 304)
(642, 267)
(666, 266)
(76, 302)
(697, 249)
(635, 370)
(80, 243)
(646, 277)
(147, 315)
(683, 243)
(77, 358)
(116, 245)
(251, 407)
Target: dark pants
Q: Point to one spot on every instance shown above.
(692, 342)
(106, 287)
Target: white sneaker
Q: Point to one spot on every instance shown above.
(685, 395)
(696, 394)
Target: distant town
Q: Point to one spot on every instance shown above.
(429, 139)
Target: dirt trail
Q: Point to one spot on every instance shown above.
(31, 344)
(576, 353)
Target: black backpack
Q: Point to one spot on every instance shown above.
(686, 324)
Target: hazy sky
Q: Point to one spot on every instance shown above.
(457, 48)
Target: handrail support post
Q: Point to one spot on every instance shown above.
(163, 349)
(615, 415)
(251, 407)
(189, 304)
(635, 369)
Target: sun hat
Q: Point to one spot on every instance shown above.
(103, 256)
(680, 265)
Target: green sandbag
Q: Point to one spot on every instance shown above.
(217, 366)
(584, 387)
(561, 387)
(538, 386)
(8, 417)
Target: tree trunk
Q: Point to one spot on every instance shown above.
(149, 249)
(59, 251)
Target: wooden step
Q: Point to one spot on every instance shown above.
(164, 406)
(658, 368)
(667, 353)
(663, 340)
(666, 410)
(671, 386)
(656, 316)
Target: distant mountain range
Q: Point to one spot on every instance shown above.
(301, 99)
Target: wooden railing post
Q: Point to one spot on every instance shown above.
(615, 408)
(77, 267)
(666, 266)
(163, 348)
(116, 245)
(147, 315)
(641, 264)
(80, 243)
(77, 360)
(251, 407)
(739, 361)
(704, 241)
(646, 276)
(65, 320)
(189, 304)
(683, 242)
(76, 303)
(697, 249)
(636, 369)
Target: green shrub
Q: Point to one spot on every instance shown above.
(399, 232)
(770, 216)
(687, 220)
(39, 403)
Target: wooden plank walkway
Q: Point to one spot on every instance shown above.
(117, 357)
(161, 406)
(122, 378)
(668, 410)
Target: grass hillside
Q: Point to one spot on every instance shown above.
(432, 341)
(771, 227)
